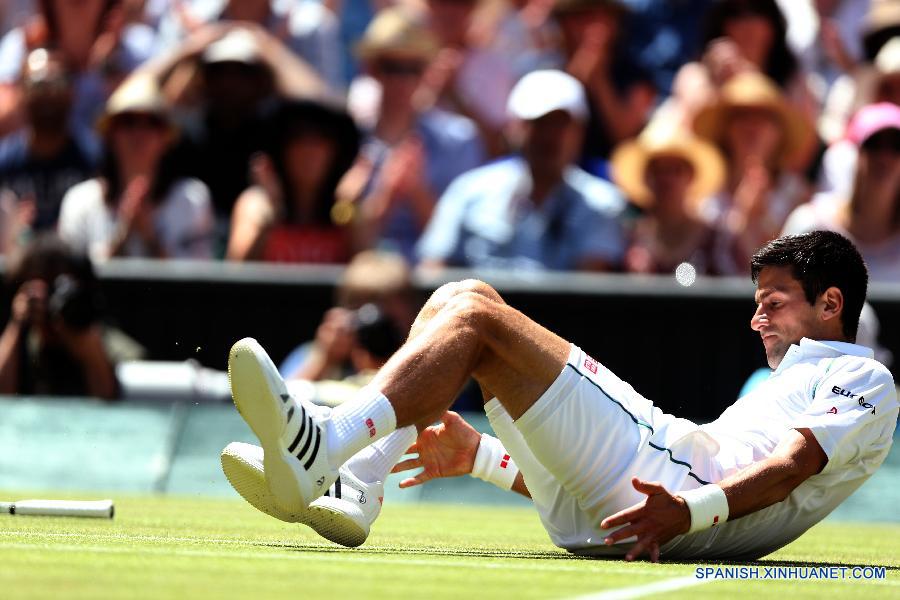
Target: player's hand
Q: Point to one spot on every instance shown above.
(655, 521)
(444, 450)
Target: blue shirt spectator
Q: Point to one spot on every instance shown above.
(451, 146)
(539, 211)
(486, 219)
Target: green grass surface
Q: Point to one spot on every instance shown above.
(168, 547)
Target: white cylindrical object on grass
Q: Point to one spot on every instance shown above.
(102, 509)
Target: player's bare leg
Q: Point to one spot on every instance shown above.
(464, 330)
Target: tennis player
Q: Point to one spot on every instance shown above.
(609, 473)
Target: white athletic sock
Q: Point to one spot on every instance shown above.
(375, 462)
(356, 424)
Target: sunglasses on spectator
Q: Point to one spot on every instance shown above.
(886, 140)
(408, 68)
(140, 121)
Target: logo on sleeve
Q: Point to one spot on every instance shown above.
(833, 410)
(864, 404)
(590, 364)
(842, 392)
(848, 394)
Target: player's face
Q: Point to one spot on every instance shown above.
(783, 315)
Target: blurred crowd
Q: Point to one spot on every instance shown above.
(614, 135)
(605, 135)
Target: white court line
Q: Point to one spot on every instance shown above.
(639, 591)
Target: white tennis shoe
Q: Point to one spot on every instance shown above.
(291, 430)
(344, 515)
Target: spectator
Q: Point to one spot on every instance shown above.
(54, 343)
(242, 70)
(307, 27)
(663, 35)
(92, 41)
(620, 92)
(466, 78)
(372, 277)
(870, 213)
(537, 211)
(138, 206)
(521, 32)
(742, 36)
(867, 85)
(373, 340)
(42, 161)
(667, 173)
(825, 36)
(759, 133)
(288, 216)
(411, 154)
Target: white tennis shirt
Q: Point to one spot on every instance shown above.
(849, 402)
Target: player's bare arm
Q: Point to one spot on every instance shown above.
(664, 515)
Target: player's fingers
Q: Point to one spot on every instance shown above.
(654, 552)
(417, 480)
(406, 465)
(639, 547)
(623, 516)
(646, 487)
(414, 449)
(618, 535)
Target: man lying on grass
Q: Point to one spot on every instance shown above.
(609, 473)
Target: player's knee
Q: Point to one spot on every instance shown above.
(447, 292)
(481, 288)
(470, 309)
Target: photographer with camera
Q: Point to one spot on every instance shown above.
(53, 343)
(373, 337)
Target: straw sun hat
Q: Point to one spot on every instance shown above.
(754, 90)
(397, 30)
(137, 94)
(630, 160)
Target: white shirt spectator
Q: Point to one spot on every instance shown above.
(184, 221)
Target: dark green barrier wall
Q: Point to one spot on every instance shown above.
(687, 349)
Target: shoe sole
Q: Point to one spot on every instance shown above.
(250, 482)
(332, 523)
(326, 517)
(257, 398)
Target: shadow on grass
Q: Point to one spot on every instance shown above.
(545, 555)
(427, 551)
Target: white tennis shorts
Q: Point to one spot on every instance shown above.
(581, 442)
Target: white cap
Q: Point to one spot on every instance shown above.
(887, 62)
(541, 92)
(237, 45)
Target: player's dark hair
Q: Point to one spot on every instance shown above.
(820, 260)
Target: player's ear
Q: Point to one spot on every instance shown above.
(832, 303)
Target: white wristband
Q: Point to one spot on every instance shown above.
(708, 506)
(493, 463)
